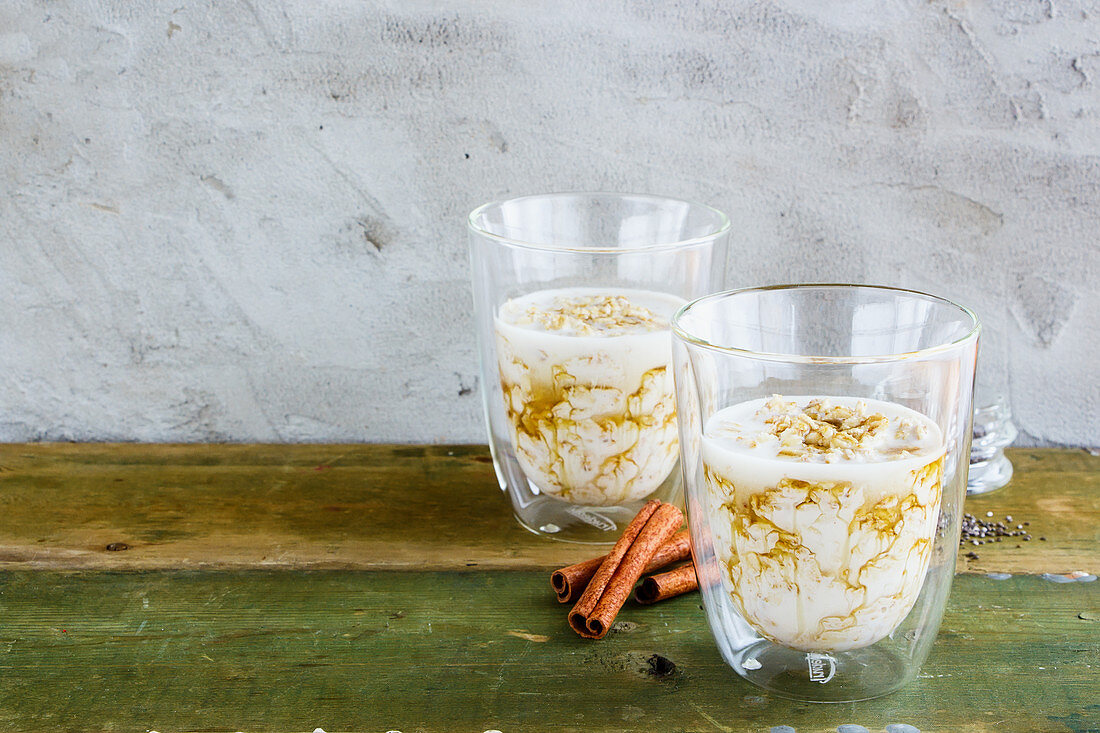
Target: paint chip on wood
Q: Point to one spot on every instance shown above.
(520, 634)
(1077, 576)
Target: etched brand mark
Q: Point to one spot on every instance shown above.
(822, 667)
(591, 518)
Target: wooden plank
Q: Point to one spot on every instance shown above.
(1058, 492)
(474, 651)
(359, 506)
(383, 506)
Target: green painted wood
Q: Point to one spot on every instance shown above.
(1058, 492)
(478, 650)
(383, 506)
(436, 613)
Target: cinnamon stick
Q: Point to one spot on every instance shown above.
(620, 570)
(667, 585)
(570, 582)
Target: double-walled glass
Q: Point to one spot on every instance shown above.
(824, 432)
(573, 296)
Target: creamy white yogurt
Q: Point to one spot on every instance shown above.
(825, 533)
(589, 391)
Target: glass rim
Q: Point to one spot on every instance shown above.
(687, 337)
(722, 227)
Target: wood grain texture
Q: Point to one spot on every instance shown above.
(473, 651)
(384, 507)
(379, 588)
(1058, 492)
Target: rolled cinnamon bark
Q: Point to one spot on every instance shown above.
(667, 585)
(570, 582)
(620, 570)
(578, 617)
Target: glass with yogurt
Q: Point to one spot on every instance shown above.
(587, 381)
(822, 428)
(574, 295)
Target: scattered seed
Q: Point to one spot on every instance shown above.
(980, 531)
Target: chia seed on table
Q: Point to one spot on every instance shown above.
(980, 531)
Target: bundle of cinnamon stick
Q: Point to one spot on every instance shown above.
(603, 584)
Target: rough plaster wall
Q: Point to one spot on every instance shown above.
(244, 219)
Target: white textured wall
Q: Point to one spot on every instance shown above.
(245, 219)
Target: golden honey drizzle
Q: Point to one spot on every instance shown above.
(547, 416)
(752, 520)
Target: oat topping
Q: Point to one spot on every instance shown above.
(827, 430)
(593, 315)
(821, 427)
(910, 430)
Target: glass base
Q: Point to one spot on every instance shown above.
(989, 475)
(994, 430)
(591, 525)
(548, 516)
(860, 674)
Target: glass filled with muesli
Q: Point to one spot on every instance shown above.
(573, 296)
(825, 431)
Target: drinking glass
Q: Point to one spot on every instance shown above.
(824, 433)
(573, 293)
(994, 431)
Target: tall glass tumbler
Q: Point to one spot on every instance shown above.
(573, 295)
(994, 430)
(824, 432)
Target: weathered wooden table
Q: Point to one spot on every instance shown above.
(383, 588)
